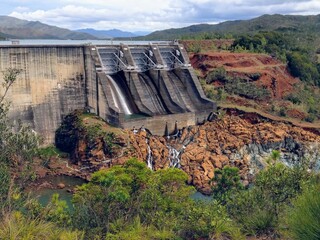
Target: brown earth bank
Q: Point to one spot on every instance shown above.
(273, 73)
(244, 142)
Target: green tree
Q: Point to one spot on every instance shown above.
(18, 146)
(226, 183)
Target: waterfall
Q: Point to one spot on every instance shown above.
(174, 156)
(149, 158)
(121, 100)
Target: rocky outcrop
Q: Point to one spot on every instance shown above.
(230, 141)
(199, 150)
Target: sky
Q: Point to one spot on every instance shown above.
(148, 15)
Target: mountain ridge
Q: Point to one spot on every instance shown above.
(111, 33)
(11, 27)
(275, 22)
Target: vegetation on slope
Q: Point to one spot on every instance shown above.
(306, 28)
(16, 28)
(302, 62)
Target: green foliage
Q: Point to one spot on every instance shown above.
(258, 208)
(227, 182)
(301, 62)
(264, 42)
(152, 205)
(138, 231)
(282, 112)
(195, 48)
(303, 218)
(57, 211)
(252, 212)
(209, 220)
(301, 65)
(246, 89)
(280, 184)
(16, 226)
(18, 146)
(49, 151)
(307, 98)
(10, 75)
(218, 74)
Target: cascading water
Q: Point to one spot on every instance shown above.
(174, 156)
(150, 158)
(121, 100)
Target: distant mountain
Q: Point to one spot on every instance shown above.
(11, 27)
(141, 33)
(113, 33)
(281, 23)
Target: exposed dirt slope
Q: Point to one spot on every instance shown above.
(273, 73)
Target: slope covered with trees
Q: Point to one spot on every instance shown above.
(11, 27)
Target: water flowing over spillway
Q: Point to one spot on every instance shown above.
(119, 97)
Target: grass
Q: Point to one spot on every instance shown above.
(50, 151)
(293, 121)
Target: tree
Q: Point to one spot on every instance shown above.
(18, 144)
(226, 182)
(258, 208)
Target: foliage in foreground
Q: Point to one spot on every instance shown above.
(136, 197)
(303, 218)
(16, 226)
(258, 208)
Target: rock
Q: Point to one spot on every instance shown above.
(61, 185)
(45, 185)
(230, 141)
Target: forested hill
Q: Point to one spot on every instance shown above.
(11, 27)
(309, 25)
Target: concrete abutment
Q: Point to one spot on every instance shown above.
(157, 80)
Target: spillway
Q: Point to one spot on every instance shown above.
(151, 84)
(119, 97)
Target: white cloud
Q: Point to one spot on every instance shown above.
(150, 15)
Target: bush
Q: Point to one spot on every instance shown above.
(304, 217)
(282, 112)
(258, 209)
(310, 118)
(252, 212)
(246, 89)
(293, 98)
(218, 74)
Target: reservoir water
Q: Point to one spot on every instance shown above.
(17, 42)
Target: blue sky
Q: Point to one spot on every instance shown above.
(149, 15)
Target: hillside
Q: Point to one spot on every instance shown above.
(253, 82)
(289, 24)
(244, 65)
(112, 33)
(12, 27)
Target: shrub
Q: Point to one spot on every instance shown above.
(218, 74)
(303, 219)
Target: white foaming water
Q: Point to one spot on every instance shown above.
(174, 156)
(150, 158)
(120, 94)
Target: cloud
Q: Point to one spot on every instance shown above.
(149, 15)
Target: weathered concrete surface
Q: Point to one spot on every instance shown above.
(57, 80)
(51, 85)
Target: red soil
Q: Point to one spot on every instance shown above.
(274, 74)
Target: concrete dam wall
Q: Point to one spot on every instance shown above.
(129, 86)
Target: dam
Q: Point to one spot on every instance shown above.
(150, 85)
